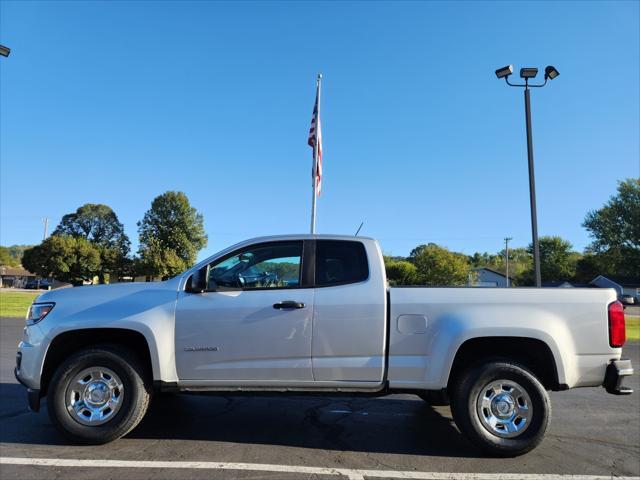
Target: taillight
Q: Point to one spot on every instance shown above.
(617, 330)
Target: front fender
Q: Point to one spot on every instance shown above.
(162, 369)
(148, 309)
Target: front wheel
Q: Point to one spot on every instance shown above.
(501, 407)
(98, 394)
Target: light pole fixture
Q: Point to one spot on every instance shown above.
(4, 51)
(550, 72)
(527, 74)
(504, 72)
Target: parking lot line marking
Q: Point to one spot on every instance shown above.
(351, 474)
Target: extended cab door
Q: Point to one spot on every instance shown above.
(254, 321)
(349, 326)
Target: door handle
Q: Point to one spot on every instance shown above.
(288, 304)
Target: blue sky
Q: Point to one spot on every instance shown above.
(117, 102)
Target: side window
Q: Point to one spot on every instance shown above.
(275, 265)
(340, 262)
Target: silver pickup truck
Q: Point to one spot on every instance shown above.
(314, 313)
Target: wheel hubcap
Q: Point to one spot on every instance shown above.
(94, 396)
(504, 408)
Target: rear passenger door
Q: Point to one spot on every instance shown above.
(349, 314)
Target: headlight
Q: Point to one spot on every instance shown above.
(37, 311)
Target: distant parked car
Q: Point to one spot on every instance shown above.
(628, 300)
(38, 284)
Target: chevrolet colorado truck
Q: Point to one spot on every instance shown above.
(314, 313)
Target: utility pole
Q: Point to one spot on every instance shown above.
(506, 256)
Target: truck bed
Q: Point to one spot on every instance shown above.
(429, 324)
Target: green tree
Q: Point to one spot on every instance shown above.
(520, 261)
(400, 272)
(171, 235)
(479, 260)
(590, 265)
(615, 229)
(436, 265)
(6, 259)
(156, 261)
(15, 252)
(99, 224)
(66, 258)
(557, 260)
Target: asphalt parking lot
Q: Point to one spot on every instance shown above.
(592, 433)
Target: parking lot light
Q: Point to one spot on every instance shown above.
(550, 72)
(504, 71)
(528, 72)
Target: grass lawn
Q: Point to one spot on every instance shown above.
(15, 304)
(633, 328)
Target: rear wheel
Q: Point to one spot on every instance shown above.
(98, 394)
(501, 407)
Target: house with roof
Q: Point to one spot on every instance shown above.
(485, 277)
(622, 285)
(16, 277)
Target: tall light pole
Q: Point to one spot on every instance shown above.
(529, 73)
(506, 256)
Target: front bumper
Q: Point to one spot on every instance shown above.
(616, 371)
(33, 395)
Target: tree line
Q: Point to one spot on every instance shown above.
(91, 242)
(11, 256)
(614, 251)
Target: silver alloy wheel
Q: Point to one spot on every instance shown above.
(94, 396)
(504, 408)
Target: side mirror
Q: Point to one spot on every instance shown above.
(198, 281)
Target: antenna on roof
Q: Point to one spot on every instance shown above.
(358, 231)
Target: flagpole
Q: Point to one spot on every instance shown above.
(315, 161)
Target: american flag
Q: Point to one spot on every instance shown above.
(315, 135)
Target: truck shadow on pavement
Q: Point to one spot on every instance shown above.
(377, 425)
(401, 424)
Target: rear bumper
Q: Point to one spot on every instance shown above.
(616, 371)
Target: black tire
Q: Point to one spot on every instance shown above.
(136, 394)
(470, 385)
